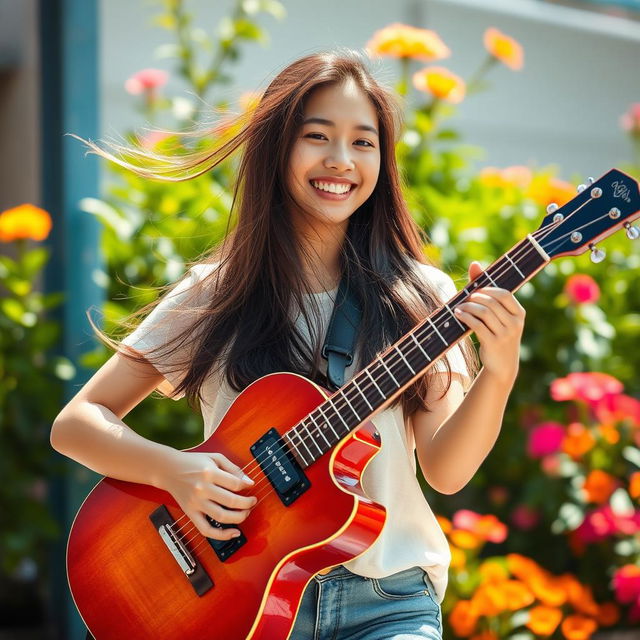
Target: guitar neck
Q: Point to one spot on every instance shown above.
(379, 383)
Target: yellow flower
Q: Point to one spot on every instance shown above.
(24, 222)
(504, 48)
(441, 83)
(404, 41)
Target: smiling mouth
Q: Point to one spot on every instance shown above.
(335, 193)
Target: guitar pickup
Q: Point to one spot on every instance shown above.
(280, 467)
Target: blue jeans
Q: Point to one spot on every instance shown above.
(341, 605)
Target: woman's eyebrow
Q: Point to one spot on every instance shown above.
(329, 123)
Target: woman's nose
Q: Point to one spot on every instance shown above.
(339, 158)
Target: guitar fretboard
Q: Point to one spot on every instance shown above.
(389, 374)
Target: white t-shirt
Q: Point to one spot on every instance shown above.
(411, 535)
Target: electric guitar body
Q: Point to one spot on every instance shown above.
(129, 582)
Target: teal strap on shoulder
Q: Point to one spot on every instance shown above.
(339, 344)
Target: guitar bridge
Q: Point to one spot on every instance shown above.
(194, 572)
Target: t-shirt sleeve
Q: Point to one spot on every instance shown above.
(167, 320)
(447, 290)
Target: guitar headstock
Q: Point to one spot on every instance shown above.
(599, 210)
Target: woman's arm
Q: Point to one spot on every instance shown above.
(457, 435)
(90, 430)
(454, 438)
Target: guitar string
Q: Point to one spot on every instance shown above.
(323, 422)
(393, 361)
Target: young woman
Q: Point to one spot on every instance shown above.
(317, 199)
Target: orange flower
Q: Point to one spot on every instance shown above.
(504, 48)
(489, 600)
(404, 41)
(578, 627)
(545, 189)
(599, 486)
(578, 441)
(517, 176)
(441, 83)
(24, 222)
(517, 594)
(609, 433)
(543, 621)
(634, 485)
(463, 619)
(465, 539)
(522, 567)
(608, 614)
(548, 588)
(445, 524)
(492, 571)
(579, 595)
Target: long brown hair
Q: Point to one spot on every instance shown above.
(245, 330)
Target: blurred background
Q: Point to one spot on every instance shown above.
(509, 106)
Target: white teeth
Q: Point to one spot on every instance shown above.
(332, 187)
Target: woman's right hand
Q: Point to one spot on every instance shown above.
(209, 484)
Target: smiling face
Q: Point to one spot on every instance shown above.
(335, 159)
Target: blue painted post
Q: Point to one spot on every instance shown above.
(69, 61)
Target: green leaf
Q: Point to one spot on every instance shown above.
(34, 260)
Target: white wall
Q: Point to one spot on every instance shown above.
(581, 69)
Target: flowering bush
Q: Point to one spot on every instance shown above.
(30, 389)
(512, 596)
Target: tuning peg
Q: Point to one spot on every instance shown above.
(590, 181)
(552, 207)
(633, 233)
(597, 255)
(581, 187)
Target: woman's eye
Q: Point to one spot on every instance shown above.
(366, 142)
(309, 135)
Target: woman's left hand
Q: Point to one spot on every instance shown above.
(497, 318)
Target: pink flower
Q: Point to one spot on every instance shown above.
(589, 387)
(630, 121)
(582, 288)
(524, 517)
(487, 527)
(545, 438)
(626, 583)
(146, 80)
(602, 523)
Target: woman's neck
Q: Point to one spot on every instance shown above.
(320, 257)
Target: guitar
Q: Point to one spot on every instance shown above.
(138, 568)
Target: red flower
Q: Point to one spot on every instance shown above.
(582, 288)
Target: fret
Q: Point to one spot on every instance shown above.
(306, 426)
(292, 447)
(344, 395)
(436, 330)
(328, 422)
(320, 431)
(405, 360)
(420, 347)
(453, 315)
(486, 273)
(389, 371)
(357, 386)
(338, 414)
(515, 266)
(375, 383)
(304, 444)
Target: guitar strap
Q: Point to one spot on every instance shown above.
(340, 341)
